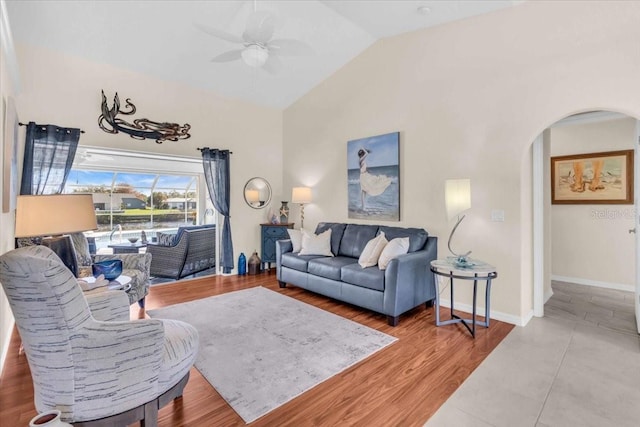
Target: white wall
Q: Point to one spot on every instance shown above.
(8, 81)
(468, 99)
(591, 243)
(66, 92)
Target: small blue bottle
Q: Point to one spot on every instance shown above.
(242, 264)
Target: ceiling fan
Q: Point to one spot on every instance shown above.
(259, 48)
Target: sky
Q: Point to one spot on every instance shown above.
(383, 150)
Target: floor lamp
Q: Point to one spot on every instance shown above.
(458, 199)
(301, 195)
(55, 216)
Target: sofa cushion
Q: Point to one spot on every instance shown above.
(395, 248)
(165, 239)
(316, 244)
(81, 246)
(297, 262)
(417, 236)
(337, 230)
(296, 239)
(370, 277)
(329, 268)
(372, 251)
(182, 229)
(355, 238)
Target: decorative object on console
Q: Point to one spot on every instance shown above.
(593, 178)
(373, 177)
(457, 193)
(57, 216)
(110, 269)
(284, 212)
(301, 195)
(140, 128)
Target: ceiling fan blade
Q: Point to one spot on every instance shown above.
(273, 64)
(229, 56)
(290, 47)
(260, 27)
(218, 33)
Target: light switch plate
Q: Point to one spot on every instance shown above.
(497, 215)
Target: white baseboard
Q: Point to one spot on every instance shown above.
(5, 347)
(548, 295)
(588, 282)
(497, 315)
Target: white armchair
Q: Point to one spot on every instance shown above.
(96, 373)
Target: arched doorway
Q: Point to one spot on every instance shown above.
(541, 208)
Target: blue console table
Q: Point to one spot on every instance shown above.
(271, 233)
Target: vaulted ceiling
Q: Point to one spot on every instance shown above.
(162, 38)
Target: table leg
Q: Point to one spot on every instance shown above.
(451, 286)
(437, 307)
(475, 298)
(487, 302)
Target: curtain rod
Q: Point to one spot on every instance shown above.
(26, 124)
(200, 149)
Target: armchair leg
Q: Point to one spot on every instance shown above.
(429, 303)
(282, 284)
(141, 303)
(150, 414)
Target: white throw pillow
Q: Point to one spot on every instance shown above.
(395, 248)
(372, 251)
(296, 239)
(316, 244)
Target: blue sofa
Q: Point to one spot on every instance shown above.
(406, 283)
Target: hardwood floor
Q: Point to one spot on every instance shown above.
(401, 385)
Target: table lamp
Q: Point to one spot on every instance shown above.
(55, 216)
(301, 195)
(457, 193)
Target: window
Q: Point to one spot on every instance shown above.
(135, 192)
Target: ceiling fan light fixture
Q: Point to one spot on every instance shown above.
(255, 55)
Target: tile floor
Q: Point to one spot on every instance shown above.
(577, 366)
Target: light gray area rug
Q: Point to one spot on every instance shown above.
(259, 349)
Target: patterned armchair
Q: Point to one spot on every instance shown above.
(96, 373)
(136, 266)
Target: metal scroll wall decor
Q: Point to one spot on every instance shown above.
(140, 128)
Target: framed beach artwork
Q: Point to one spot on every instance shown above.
(373, 177)
(594, 178)
(10, 156)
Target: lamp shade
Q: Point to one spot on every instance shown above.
(457, 193)
(301, 195)
(253, 196)
(54, 214)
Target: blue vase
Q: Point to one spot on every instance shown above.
(110, 269)
(242, 264)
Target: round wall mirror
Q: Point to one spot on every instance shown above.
(257, 193)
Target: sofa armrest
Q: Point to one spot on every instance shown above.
(409, 281)
(282, 247)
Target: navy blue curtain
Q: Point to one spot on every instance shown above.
(48, 155)
(216, 173)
